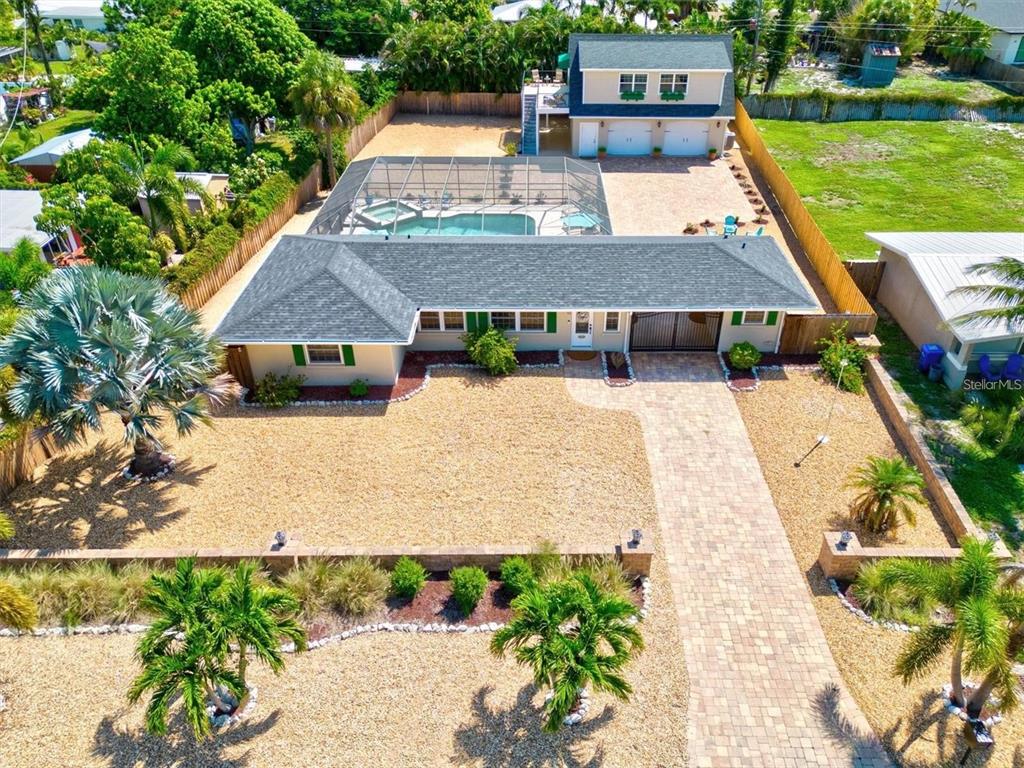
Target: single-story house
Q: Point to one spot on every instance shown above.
(214, 184)
(1006, 17)
(340, 308)
(42, 161)
(918, 287)
(80, 14)
(18, 210)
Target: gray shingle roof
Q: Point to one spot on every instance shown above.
(367, 289)
(1005, 15)
(597, 51)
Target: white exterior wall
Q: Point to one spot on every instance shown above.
(764, 337)
(374, 363)
(717, 128)
(1004, 47)
(602, 87)
(902, 294)
(530, 341)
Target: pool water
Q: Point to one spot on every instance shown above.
(385, 213)
(469, 224)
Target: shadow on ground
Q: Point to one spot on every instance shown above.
(513, 737)
(123, 747)
(82, 501)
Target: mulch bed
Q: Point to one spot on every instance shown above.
(745, 379)
(435, 604)
(618, 374)
(412, 374)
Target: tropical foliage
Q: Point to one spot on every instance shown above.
(20, 269)
(1004, 291)
(572, 635)
(92, 340)
(17, 610)
(492, 350)
(890, 489)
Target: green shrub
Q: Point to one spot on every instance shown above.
(607, 574)
(888, 602)
(468, 585)
(358, 388)
(209, 252)
(276, 391)
(841, 357)
(252, 209)
(309, 583)
(407, 578)
(997, 425)
(547, 563)
(492, 350)
(517, 575)
(743, 355)
(358, 587)
(133, 580)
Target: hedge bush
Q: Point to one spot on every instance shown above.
(743, 355)
(276, 391)
(843, 360)
(468, 585)
(517, 575)
(209, 252)
(492, 350)
(407, 578)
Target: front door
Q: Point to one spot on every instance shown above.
(582, 330)
(588, 140)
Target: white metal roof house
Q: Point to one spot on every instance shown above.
(18, 209)
(81, 14)
(42, 161)
(337, 308)
(214, 185)
(918, 288)
(1006, 17)
(632, 93)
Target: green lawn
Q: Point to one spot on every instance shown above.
(858, 177)
(910, 81)
(991, 487)
(72, 120)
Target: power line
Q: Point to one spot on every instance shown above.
(24, 69)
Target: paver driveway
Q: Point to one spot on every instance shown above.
(764, 690)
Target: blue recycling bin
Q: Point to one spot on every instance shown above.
(931, 355)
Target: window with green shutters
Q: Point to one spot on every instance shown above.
(299, 354)
(348, 356)
(737, 318)
(552, 322)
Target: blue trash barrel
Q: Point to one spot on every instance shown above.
(931, 354)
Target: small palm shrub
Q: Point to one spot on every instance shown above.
(517, 575)
(492, 350)
(468, 585)
(358, 388)
(358, 587)
(889, 490)
(998, 426)
(743, 355)
(407, 578)
(888, 600)
(308, 582)
(276, 391)
(843, 360)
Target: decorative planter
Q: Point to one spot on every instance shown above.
(582, 707)
(220, 719)
(992, 705)
(712, 154)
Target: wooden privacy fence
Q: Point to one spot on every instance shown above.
(251, 242)
(360, 135)
(437, 103)
(837, 109)
(867, 275)
(1010, 76)
(19, 460)
(801, 333)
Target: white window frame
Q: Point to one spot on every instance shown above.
(633, 84)
(762, 321)
(678, 83)
(311, 361)
(543, 322)
(618, 322)
(442, 325)
(515, 319)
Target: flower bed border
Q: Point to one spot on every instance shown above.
(627, 382)
(726, 371)
(864, 616)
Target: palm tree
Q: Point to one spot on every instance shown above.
(1006, 292)
(889, 490)
(93, 339)
(255, 617)
(324, 100)
(571, 635)
(977, 635)
(180, 601)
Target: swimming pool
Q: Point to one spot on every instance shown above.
(468, 224)
(387, 212)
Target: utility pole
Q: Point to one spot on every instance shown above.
(757, 40)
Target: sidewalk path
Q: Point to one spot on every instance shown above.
(764, 689)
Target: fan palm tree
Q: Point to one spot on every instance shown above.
(571, 635)
(889, 490)
(1006, 292)
(324, 100)
(255, 617)
(93, 339)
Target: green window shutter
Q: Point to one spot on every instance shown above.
(773, 318)
(299, 354)
(552, 322)
(737, 318)
(471, 321)
(482, 320)
(347, 355)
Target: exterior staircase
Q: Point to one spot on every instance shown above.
(531, 139)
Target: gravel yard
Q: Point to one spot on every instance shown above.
(470, 460)
(443, 135)
(389, 699)
(783, 418)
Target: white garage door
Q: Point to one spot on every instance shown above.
(629, 137)
(685, 138)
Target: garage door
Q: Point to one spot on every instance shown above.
(685, 138)
(629, 137)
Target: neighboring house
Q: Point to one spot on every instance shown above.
(42, 161)
(18, 99)
(214, 184)
(512, 12)
(1006, 17)
(18, 210)
(921, 274)
(80, 14)
(97, 47)
(339, 308)
(632, 93)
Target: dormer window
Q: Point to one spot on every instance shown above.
(631, 83)
(673, 87)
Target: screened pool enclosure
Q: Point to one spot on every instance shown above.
(402, 196)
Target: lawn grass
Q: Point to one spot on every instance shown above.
(990, 486)
(72, 120)
(910, 81)
(885, 176)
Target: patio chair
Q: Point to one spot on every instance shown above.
(558, 77)
(535, 74)
(730, 227)
(1014, 368)
(985, 366)
(757, 232)
(446, 201)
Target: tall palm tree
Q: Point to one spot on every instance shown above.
(324, 100)
(889, 490)
(254, 618)
(1006, 292)
(93, 340)
(571, 635)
